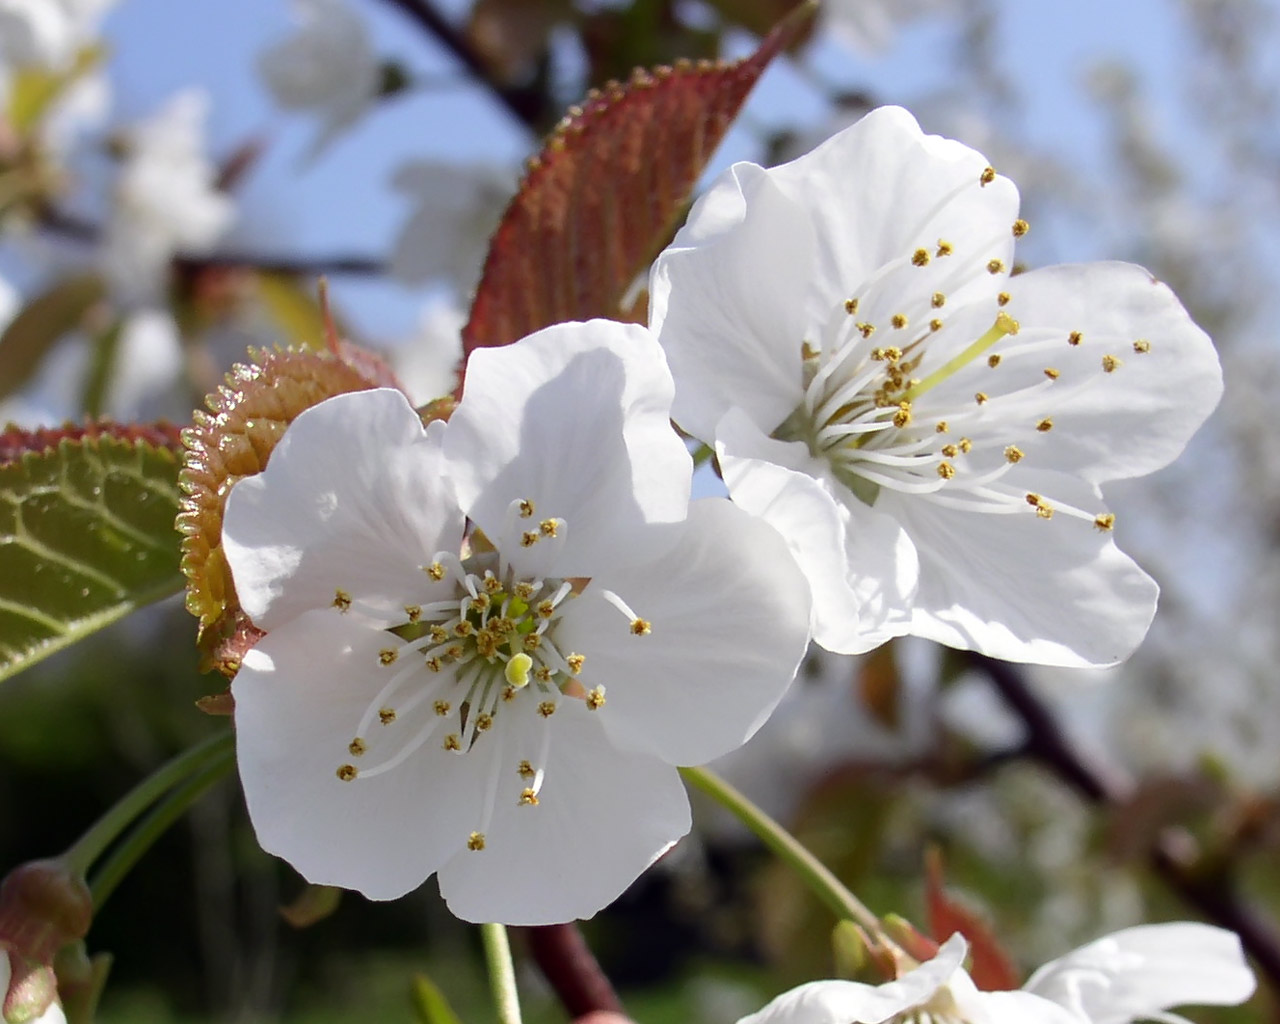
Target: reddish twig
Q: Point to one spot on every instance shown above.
(572, 970)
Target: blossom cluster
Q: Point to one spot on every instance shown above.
(489, 640)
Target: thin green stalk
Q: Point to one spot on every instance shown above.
(815, 874)
(128, 851)
(502, 973)
(90, 846)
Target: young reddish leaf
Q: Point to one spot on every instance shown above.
(601, 198)
(246, 417)
(16, 442)
(992, 969)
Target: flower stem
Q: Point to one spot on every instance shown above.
(128, 851)
(502, 974)
(820, 880)
(90, 846)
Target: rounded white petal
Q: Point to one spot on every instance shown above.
(299, 697)
(861, 565)
(353, 498)
(1136, 973)
(1164, 382)
(1022, 588)
(850, 1002)
(1016, 1008)
(603, 816)
(576, 419)
(728, 617)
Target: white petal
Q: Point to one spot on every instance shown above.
(729, 616)
(1138, 972)
(1017, 1008)
(1139, 417)
(603, 816)
(727, 301)
(353, 498)
(850, 1002)
(299, 698)
(861, 565)
(1014, 586)
(575, 418)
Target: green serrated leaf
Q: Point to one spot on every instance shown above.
(86, 536)
(429, 1004)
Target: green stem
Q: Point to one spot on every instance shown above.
(90, 846)
(824, 884)
(702, 453)
(502, 973)
(128, 851)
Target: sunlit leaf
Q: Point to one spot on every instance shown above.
(293, 307)
(86, 535)
(41, 323)
(429, 1004)
(246, 417)
(602, 197)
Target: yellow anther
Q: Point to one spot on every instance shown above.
(356, 747)
(508, 693)
(641, 627)
(575, 662)
(1003, 299)
(531, 641)
(1044, 511)
(1020, 228)
(454, 651)
(1051, 373)
(543, 674)
(1109, 364)
(899, 320)
(492, 584)
(851, 306)
(1034, 499)
(435, 570)
(995, 266)
(463, 628)
(347, 772)
(987, 176)
(1013, 453)
(946, 470)
(484, 722)
(452, 742)
(1105, 521)
(414, 611)
(941, 428)
(341, 600)
(1142, 345)
(442, 707)
(549, 527)
(1045, 425)
(938, 301)
(547, 708)
(980, 397)
(595, 698)
(993, 360)
(892, 354)
(388, 655)
(1074, 338)
(935, 324)
(866, 330)
(808, 352)
(950, 450)
(526, 509)
(433, 664)
(387, 715)
(480, 602)
(546, 609)
(903, 416)
(966, 445)
(920, 257)
(525, 770)
(524, 591)
(475, 842)
(517, 669)
(528, 539)
(528, 798)
(945, 248)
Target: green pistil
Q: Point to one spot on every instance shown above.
(1005, 324)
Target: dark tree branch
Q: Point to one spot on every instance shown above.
(1174, 857)
(571, 969)
(527, 105)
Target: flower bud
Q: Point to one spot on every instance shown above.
(44, 906)
(29, 990)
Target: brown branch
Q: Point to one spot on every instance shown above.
(529, 105)
(1174, 857)
(571, 969)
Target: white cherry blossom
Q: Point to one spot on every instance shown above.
(1135, 974)
(505, 708)
(47, 33)
(927, 429)
(328, 68)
